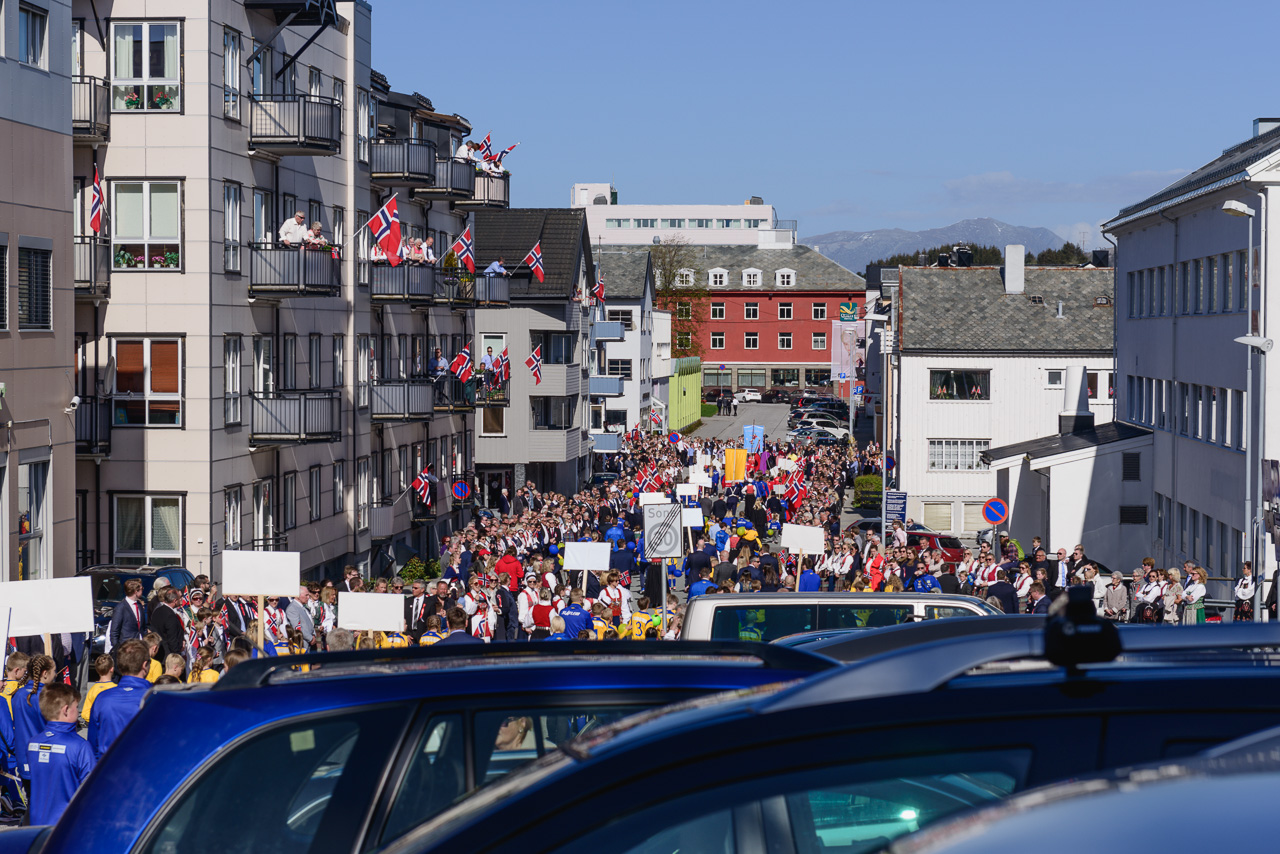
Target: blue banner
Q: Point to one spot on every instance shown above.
(753, 438)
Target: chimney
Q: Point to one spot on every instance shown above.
(1102, 257)
(964, 256)
(1075, 416)
(1015, 280)
(1261, 126)
(922, 260)
(944, 260)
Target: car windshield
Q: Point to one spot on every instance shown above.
(768, 622)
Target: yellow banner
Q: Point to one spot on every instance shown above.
(735, 465)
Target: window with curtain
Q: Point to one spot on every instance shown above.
(262, 215)
(231, 378)
(35, 289)
(146, 70)
(231, 517)
(32, 24)
(146, 225)
(315, 486)
(553, 413)
(231, 227)
(148, 530)
(339, 486)
(363, 120)
(148, 383)
(339, 354)
(959, 385)
(231, 74)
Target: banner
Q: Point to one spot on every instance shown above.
(250, 573)
(735, 465)
(809, 539)
(753, 438)
(586, 555)
(376, 612)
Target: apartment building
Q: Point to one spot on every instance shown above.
(748, 224)
(38, 409)
(248, 393)
(624, 387)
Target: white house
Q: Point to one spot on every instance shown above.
(628, 276)
(981, 358)
(749, 223)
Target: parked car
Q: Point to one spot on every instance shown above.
(747, 395)
(734, 616)
(850, 759)
(822, 419)
(351, 754)
(814, 430)
(603, 478)
(712, 395)
(872, 525)
(108, 590)
(776, 395)
(850, 645)
(951, 547)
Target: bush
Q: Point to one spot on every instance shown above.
(708, 410)
(418, 570)
(866, 490)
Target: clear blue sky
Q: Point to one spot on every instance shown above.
(845, 115)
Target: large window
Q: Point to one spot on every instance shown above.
(493, 421)
(260, 70)
(231, 74)
(784, 377)
(33, 483)
(146, 225)
(619, 368)
(751, 311)
(713, 378)
(35, 289)
(231, 227)
(148, 383)
(959, 385)
(621, 315)
(751, 377)
(557, 347)
(817, 376)
(231, 378)
(32, 27)
(751, 340)
(957, 454)
(146, 66)
(553, 413)
(148, 530)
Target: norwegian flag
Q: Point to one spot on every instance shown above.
(534, 363)
(95, 204)
(465, 249)
(486, 150)
(497, 158)
(503, 366)
(598, 292)
(648, 478)
(385, 226)
(461, 366)
(534, 259)
(422, 485)
(655, 417)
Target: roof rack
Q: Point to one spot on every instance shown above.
(259, 671)
(923, 668)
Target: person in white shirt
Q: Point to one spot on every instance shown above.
(467, 152)
(292, 232)
(899, 535)
(1193, 597)
(428, 254)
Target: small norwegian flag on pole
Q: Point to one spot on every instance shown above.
(534, 259)
(655, 417)
(534, 362)
(461, 366)
(486, 150)
(422, 485)
(464, 249)
(95, 205)
(385, 226)
(598, 292)
(497, 158)
(505, 372)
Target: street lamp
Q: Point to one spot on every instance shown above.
(1258, 345)
(884, 417)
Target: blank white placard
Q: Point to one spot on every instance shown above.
(250, 573)
(373, 612)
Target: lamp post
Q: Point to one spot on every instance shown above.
(1258, 345)
(884, 417)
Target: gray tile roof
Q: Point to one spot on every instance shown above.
(511, 233)
(1049, 446)
(965, 309)
(813, 271)
(624, 269)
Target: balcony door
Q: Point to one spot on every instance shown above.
(264, 378)
(264, 527)
(77, 207)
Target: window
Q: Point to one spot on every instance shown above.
(33, 512)
(264, 378)
(1164, 302)
(1211, 285)
(959, 385)
(753, 377)
(146, 66)
(957, 454)
(314, 358)
(231, 74)
(713, 378)
(4, 292)
(1197, 288)
(557, 347)
(784, 311)
(148, 383)
(1053, 379)
(146, 225)
(684, 279)
(493, 421)
(315, 83)
(35, 288)
(315, 485)
(717, 340)
(751, 340)
(751, 278)
(788, 377)
(263, 223)
(364, 369)
(784, 340)
(289, 362)
(673, 223)
(260, 70)
(936, 515)
(148, 530)
(362, 125)
(289, 76)
(1142, 292)
(1184, 288)
(717, 311)
(784, 278)
(819, 311)
(1224, 282)
(751, 311)
(817, 376)
(32, 24)
(339, 487)
(684, 311)
(1183, 410)
(231, 517)
(1237, 419)
(617, 223)
(717, 278)
(623, 316)
(684, 340)
(231, 227)
(619, 368)
(553, 413)
(231, 378)
(819, 340)
(699, 223)
(646, 223)
(728, 223)
(362, 494)
(264, 523)
(339, 226)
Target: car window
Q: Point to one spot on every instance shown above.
(938, 612)
(107, 588)
(507, 739)
(762, 622)
(862, 616)
(302, 786)
(436, 776)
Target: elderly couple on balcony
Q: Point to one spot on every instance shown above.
(294, 233)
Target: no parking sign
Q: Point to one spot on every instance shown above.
(995, 512)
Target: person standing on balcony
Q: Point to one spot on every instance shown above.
(467, 152)
(496, 268)
(314, 238)
(293, 233)
(439, 372)
(428, 254)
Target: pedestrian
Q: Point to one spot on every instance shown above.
(114, 709)
(60, 760)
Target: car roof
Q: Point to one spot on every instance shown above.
(856, 644)
(762, 599)
(133, 570)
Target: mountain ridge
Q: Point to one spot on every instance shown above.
(854, 250)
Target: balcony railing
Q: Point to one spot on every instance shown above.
(606, 443)
(455, 179)
(403, 162)
(453, 395)
(93, 427)
(608, 330)
(90, 109)
(422, 513)
(294, 417)
(416, 284)
(402, 400)
(603, 386)
(493, 393)
(493, 290)
(492, 191)
(91, 260)
(456, 287)
(295, 124)
(284, 271)
(274, 543)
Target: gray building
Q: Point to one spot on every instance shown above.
(623, 392)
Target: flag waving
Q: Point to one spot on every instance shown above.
(504, 363)
(534, 259)
(95, 206)
(463, 248)
(385, 226)
(422, 485)
(598, 292)
(534, 362)
(461, 366)
(497, 158)
(486, 150)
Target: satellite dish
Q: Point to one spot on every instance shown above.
(109, 376)
(657, 239)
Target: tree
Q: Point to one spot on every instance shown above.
(1070, 255)
(983, 256)
(680, 287)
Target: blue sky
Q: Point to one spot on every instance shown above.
(845, 115)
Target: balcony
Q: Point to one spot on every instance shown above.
(303, 125)
(276, 272)
(299, 13)
(274, 543)
(457, 288)
(492, 191)
(414, 284)
(455, 179)
(453, 395)
(90, 109)
(294, 417)
(608, 330)
(91, 260)
(604, 386)
(423, 514)
(497, 393)
(493, 291)
(405, 400)
(93, 428)
(606, 443)
(403, 162)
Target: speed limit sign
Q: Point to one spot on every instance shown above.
(662, 530)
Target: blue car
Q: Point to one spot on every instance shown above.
(347, 751)
(108, 590)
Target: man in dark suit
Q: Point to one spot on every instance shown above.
(441, 602)
(1005, 592)
(1037, 599)
(166, 623)
(129, 622)
(458, 628)
(415, 610)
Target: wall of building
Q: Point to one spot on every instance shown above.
(684, 393)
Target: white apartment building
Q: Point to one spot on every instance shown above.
(741, 224)
(246, 393)
(624, 383)
(981, 356)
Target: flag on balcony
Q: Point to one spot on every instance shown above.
(503, 368)
(422, 485)
(534, 363)
(655, 417)
(534, 259)
(497, 158)
(463, 249)
(461, 366)
(95, 205)
(486, 150)
(385, 226)
(598, 292)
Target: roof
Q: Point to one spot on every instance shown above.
(814, 271)
(511, 233)
(1062, 443)
(1231, 167)
(965, 309)
(624, 269)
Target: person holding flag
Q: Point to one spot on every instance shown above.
(534, 260)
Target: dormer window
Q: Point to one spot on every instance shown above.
(717, 277)
(751, 278)
(785, 278)
(684, 279)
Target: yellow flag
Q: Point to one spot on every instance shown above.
(735, 465)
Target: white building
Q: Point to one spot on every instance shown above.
(661, 362)
(981, 359)
(628, 275)
(700, 224)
